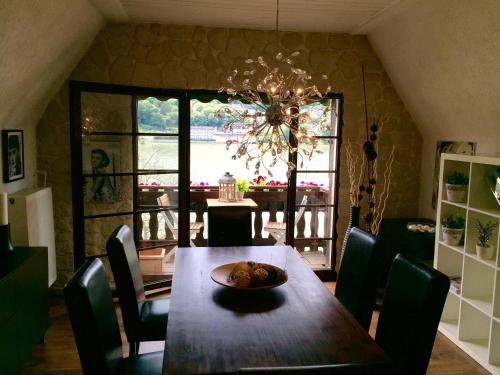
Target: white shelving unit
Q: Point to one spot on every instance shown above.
(471, 318)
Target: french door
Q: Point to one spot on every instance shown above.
(131, 146)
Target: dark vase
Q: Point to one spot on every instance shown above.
(353, 222)
(5, 243)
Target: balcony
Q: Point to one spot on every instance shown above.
(271, 201)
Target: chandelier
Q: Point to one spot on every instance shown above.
(267, 101)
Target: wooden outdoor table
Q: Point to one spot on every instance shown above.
(212, 329)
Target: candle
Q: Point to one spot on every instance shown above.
(4, 209)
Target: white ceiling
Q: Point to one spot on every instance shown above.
(340, 16)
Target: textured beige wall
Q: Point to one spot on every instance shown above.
(200, 58)
(40, 44)
(444, 59)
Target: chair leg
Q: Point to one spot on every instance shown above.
(133, 348)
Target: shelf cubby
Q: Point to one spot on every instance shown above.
(474, 330)
(495, 344)
(496, 302)
(449, 261)
(477, 285)
(451, 166)
(471, 235)
(449, 318)
(480, 195)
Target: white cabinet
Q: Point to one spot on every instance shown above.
(31, 221)
(471, 316)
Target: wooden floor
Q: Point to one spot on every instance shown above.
(58, 355)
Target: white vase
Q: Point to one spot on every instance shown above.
(487, 252)
(452, 236)
(456, 193)
(240, 195)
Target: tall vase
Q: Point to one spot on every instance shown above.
(353, 222)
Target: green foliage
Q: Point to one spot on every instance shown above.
(457, 178)
(453, 222)
(484, 231)
(242, 184)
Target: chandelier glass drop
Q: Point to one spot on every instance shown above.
(269, 101)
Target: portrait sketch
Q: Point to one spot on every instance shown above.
(13, 155)
(465, 148)
(101, 160)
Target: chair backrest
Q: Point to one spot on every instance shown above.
(410, 313)
(342, 369)
(93, 318)
(358, 276)
(229, 226)
(163, 201)
(124, 262)
(302, 209)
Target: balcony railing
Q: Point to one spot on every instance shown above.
(270, 200)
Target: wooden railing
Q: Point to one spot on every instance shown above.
(270, 199)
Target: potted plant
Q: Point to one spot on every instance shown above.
(242, 185)
(456, 187)
(485, 231)
(453, 229)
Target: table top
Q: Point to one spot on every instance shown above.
(212, 329)
(247, 202)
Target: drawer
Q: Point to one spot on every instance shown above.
(7, 298)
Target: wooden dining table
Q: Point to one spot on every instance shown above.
(215, 329)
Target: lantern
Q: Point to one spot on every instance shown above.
(227, 188)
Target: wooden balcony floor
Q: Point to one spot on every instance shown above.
(151, 265)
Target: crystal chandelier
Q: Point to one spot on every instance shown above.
(274, 117)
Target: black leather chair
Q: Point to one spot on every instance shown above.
(93, 318)
(342, 369)
(229, 226)
(358, 276)
(143, 320)
(410, 313)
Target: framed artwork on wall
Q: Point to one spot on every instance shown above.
(449, 147)
(101, 160)
(13, 155)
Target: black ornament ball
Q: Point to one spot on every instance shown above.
(361, 187)
(360, 196)
(374, 127)
(369, 190)
(373, 137)
(372, 181)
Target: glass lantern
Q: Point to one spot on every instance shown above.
(227, 188)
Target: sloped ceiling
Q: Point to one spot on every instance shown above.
(444, 59)
(40, 44)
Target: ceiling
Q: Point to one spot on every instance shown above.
(339, 16)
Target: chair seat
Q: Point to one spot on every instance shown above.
(150, 363)
(154, 318)
(274, 225)
(196, 226)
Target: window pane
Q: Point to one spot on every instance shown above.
(158, 152)
(107, 195)
(98, 230)
(324, 158)
(158, 115)
(106, 113)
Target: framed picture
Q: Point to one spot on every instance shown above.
(13, 155)
(101, 160)
(465, 148)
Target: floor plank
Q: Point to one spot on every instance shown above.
(58, 355)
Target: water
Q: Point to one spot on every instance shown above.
(210, 160)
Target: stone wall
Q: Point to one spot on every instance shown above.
(200, 58)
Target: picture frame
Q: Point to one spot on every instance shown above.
(12, 155)
(101, 158)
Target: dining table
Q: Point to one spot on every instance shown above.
(214, 329)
